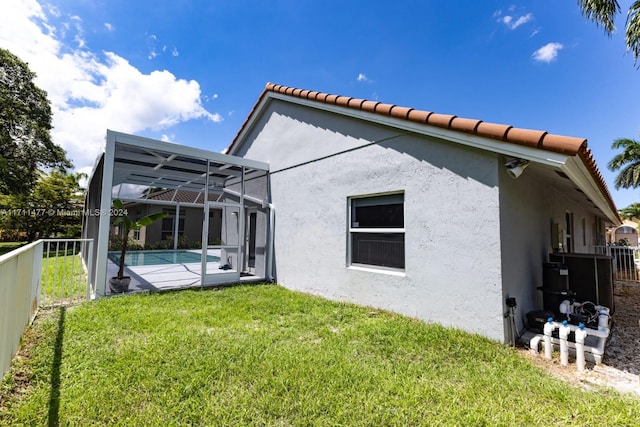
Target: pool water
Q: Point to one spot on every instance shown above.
(137, 258)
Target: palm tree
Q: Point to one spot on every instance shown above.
(603, 12)
(628, 162)
(631, 212)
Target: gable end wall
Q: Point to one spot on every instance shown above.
(452, 239)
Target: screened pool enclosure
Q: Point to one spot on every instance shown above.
(218, 226)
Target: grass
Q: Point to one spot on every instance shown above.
(63, 279)
(6, 247)
(263, 355)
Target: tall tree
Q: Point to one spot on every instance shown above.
(628, 162)
(25, 124)
(604, 12)
(52, 208)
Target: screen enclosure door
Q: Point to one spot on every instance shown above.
(221, 242)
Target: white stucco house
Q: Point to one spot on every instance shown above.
(434, 216)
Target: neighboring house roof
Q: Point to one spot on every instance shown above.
(537, 139)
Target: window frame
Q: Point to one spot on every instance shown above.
(569, 233)
(171, 215)
(351, 230)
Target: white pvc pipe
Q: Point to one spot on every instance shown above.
(534, 344)
(580, 334)
(600, 332)
(548, 330)
(564, 346)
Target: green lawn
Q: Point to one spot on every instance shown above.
(263, 355)
(63, 279)
(6, 247)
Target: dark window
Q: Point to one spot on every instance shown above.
(168, 223)
(377, 230)
(569, 232)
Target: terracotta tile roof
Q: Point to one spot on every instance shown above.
(526, 137)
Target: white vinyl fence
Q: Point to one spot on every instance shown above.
(46, 272)
(20, 276)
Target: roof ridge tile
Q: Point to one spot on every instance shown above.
(465, 125)
(400, 112)
(382, 108)
(440, 120)
(369, 106)
(343, 101)
(418, 116)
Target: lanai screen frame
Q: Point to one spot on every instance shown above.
(118, 165)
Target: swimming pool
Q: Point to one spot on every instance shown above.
(138, 258)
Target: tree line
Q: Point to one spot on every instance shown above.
(39, 196)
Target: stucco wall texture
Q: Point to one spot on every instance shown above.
(318, 160)
(530, 206)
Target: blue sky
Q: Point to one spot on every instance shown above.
(190, 71)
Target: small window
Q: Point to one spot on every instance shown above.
(568, 232)
(168, 224)
(376, 230)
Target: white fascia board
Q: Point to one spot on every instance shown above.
(506, 148)
(251, 121)
(578, 173)
(154, 144)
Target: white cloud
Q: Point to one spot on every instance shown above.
(362, 77)
(547, 53)
(91, 92)
(512, 24)
(522, 20)
(108, 26)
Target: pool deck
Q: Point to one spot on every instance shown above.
(167, 276)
